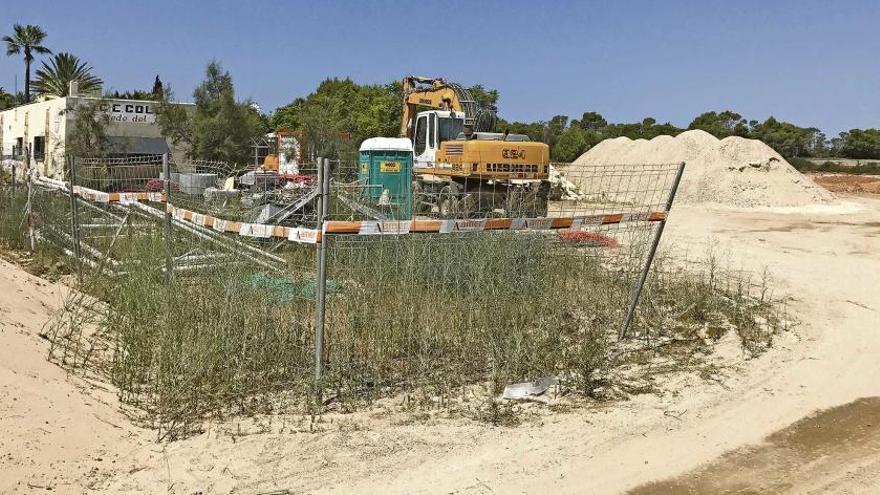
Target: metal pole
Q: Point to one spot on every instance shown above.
(74, 216)
(169, 260)
(11, 160)
(643, 276)
(30, 188)
(321, 285)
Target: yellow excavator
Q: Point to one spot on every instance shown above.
(461, 166)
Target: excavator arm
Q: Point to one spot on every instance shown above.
(437, 94)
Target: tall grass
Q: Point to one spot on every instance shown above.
(208, 344)
(430, 315)
(437, 319)
(50, 219)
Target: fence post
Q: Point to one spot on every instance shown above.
(30, 197)
(643, 275)
(74, 216)
(321, 283)
(12, 160)
(169, 260)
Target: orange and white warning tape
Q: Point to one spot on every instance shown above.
(382, 227)
(577, 222)
(392, 227)
(257, 230)
(121, 197)
(100, 196)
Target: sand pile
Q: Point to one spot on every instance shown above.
(733, 171)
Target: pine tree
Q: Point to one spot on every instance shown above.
(158, 89)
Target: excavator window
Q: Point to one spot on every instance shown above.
(449, 129)
(421, 135)
(432, 130)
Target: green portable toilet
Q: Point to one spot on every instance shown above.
(385, 170)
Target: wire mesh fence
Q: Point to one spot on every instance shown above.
(224, 285)
(203, 310)
(455, 295)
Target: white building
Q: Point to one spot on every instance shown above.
(40, 129)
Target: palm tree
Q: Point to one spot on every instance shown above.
(27, 39)
(55, 77)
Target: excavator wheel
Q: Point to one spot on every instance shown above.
(527, 201)
(448, 201)
(543, 199)
(421, 201)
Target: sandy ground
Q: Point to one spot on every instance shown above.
(56, 432)
(834, 451)
(761, 416)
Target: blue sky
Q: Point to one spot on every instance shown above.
(809, 62)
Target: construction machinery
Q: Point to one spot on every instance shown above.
(286, 153)
(461, 166)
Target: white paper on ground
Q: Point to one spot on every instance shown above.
(529, 389)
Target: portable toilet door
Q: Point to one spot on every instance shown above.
(385, 170)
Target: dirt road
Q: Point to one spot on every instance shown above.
(833, 451)
(830, 264)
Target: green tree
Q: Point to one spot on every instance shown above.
(534, 130)
(648, 128)
(174, 121)
(340, 113)
(485, 98)
(220, 128)
(593, 121)
(155, 94)
(570, 144)
(136, 94)
(788, 139)
(721, 125)
(288, 116)
(158, 90)
(26, 40)
(7, 100)
(859, 143)
(88, 133)
(554, 129)
(55, 77)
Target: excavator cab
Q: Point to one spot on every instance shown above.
(432, 128)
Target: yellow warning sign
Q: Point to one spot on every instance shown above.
(389, 167)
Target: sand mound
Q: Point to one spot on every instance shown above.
(733, 171)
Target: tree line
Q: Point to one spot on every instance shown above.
(341, 110)
(340, 114)
(788, 139)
